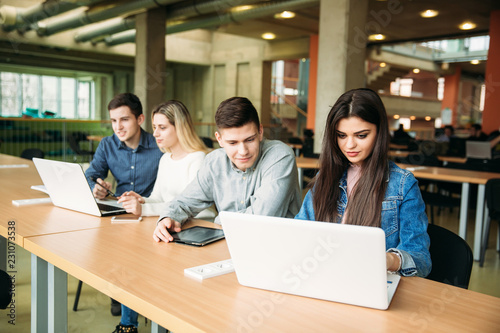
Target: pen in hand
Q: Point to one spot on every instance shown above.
(109, 192)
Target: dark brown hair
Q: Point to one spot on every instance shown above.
(236, 112)
(365, 204)
(127, 99)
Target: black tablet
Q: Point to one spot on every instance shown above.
(198, 236)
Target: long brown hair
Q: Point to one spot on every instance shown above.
(365, 205)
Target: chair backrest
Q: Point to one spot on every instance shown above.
(74, 142)
(207, 141)
(32, 152)
(451, 257)
(492, 193)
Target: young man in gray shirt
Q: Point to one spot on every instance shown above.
(249, 174)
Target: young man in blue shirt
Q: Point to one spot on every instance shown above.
(131, 154)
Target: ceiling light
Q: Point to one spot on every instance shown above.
(475, 62)
(376, 37)
(383, 64)
(413, 118)
(416, 70)
(241, 8)
(428, 118)
(268, 35)
(467, 26)
(396, 116)
(429, 13)
(285, 15)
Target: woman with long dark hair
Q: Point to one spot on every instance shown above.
(357, 184)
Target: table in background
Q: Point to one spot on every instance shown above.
(466, 177)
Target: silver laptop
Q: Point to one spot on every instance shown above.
(478, 149)
(68, 188)
(330, 261)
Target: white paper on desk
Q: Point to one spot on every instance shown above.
(6, 166)
(416, 168)
(40, 188)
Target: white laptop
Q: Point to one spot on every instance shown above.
(330, 261)
(68, 188)
(478, 149)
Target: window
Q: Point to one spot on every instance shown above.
(32, 95)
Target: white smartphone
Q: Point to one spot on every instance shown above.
(125, 218)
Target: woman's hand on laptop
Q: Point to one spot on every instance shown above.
(162, 230)
(99, 190)
(132, 201)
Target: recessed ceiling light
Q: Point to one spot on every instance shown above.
(376, 37)
(467, 25)
(413, 118)
(383, 64)
(241, 8)
(475, 62)
(268, 35)
(428, 118)
(396, 116)
(416, 70)
(429, 13)
(285, 15)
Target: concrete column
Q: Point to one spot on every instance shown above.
(150, 63)
(343, 32)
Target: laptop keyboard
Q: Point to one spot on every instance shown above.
(108, 208)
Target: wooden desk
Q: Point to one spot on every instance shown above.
(158, 289)
(297, 147)
(452, 159)
(305, 163)
(466, 177)
(46, 218)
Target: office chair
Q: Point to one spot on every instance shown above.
(451, 257)
(492, 193)
(74, 143)
(32, 152)
(5, 290)
(207, 141)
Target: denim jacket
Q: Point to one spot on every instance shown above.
(403, 220)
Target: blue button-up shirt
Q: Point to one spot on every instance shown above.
(134, 169)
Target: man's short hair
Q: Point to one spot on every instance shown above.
(477, 127)
(236, 112)
(126, 99)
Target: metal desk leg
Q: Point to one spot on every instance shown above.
(39, 313)
(155, 328)
(301, 177)
(478, 231)
(464, 206)
(57, 300)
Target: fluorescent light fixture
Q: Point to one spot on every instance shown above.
(429, 13)
(285, 15)
(467, 25)
(268, 35)
(376, 37)
(241, 8)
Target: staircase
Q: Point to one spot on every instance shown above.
(381, 78)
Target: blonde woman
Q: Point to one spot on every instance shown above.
(184, 153)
